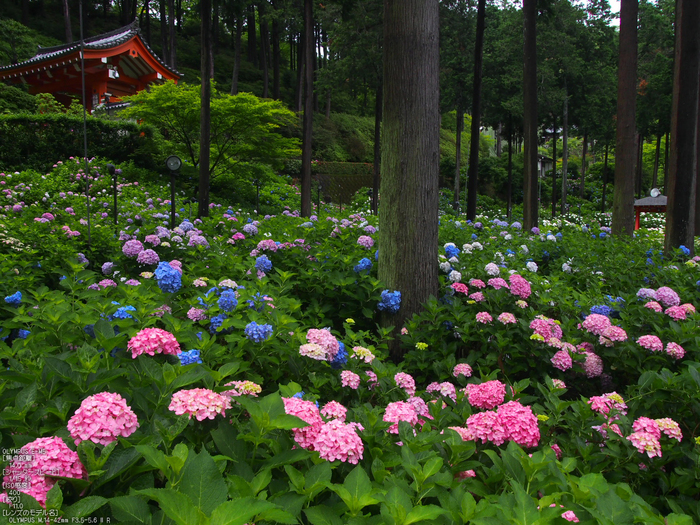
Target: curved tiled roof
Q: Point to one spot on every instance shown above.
(103, 41)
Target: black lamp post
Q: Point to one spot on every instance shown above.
(173, 163)
(112, 173)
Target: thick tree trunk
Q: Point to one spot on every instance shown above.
(458, 157)
(165, 53)
(264, 50)
(605, 177)
(171, 33)
(377, 148)
(237, 56)
(555, 136)
(308, 108)
(657, 155)
(299, 99)
(408, 220)
(667, 146)
(275, 54)
(205, 115)
(66, 22)
(530, 203)
(625, 153)
(147, 11)
(565, 152)
(582, 186)
(252, 46)
(499, 140)
(638, 166)
(509, 198)
(680, 214)
(473, 174)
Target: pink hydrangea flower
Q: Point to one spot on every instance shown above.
(667, 296)
(520, 424)
(199, 402)
(445, 389)
(677, 313)
(349, 379)
(570, 516)
(460, 287)
(596, 324)
(326, 340)
(689, 308)
(498, 283)
(107, 283)
(464, 433)
(484, 318)
(102, 418)
(558, 383)
(644, 424)
(653, 305)
(406, 382)
(487, 426)
(420, 406)
(337, 440)
(507, 318)
(132, 248)
(32, 471)
(646, 442)
(147, 256)
(562, 360)
(603, 429)
(608, 402)
(153, 341)
(675, 350)
(614, 333)
(466, 474)
(152, 239)
(365, 241)
(372, 379)
(546, 327)
(669, 427)
(309, 413)
(314, 351)
(334, 410)
(557, 450)
(477, 296)
(462, 369)
(363, 354)
(519, 286)
(399, 411)
(651, 342)
(196, 314)
(242, 388)
(487, 395)
(593, 365)
(477, 283)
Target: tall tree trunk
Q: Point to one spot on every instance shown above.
(605, 177)
(377, 147)
(682, 180)
(638, 166)
(408, 220)
(458, 157)
(499, 140)
(655, 176)
(565, 151)
(308, 108)
(237, 55)
(66, 22)
(165, 53)
(582, 187)
(625, 153)
(667, 146)
(301, 53)
(264, 49)
(530, 203)
(509, 201)
(555, 136)
(328, 103)
(132, 14)
(473, 174)
(252, 45)
(275, 54)
(147, 10)
(205, 115)
(171, 33)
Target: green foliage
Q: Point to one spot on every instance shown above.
(15, 100)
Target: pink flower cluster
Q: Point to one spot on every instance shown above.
(445, 389)
(365, 241)
(101, 418)
(32, 470)
(477, 283)
(242, 388)
(593, 365)
(646, 442)
(667, 296)
(406, 382)
(132, 248)
(653, 305)
(326, 340)
(313, 351)
(596, 324)
(562, 360)
(363, 354)
(677, 313)
(199, 402)
(519, 286)
(400, 411)
(507, 318)
(607, 403)
(462, 369)
(498, 283)
(611, 335)
(484, 318)
(349, 379)
(153, 341)
(334, 410)
(486, 395)
(675, 350)
(196, 314)
(651, 343)
(546, 328)
(511, 421)
(460, 287)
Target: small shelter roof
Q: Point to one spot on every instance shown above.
(646, 202)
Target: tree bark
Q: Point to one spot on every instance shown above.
(264, 50)
(237, 56)
(657, 155)
(377, 148)
(165, 53)
(582, 188)
(308, 108)
(625, 152)
(499, 140)
(408, 232)
(667, 146)
(509, 201)
(275, 54)
(252, 45)
(171, 33)
(66, 22)
(605, 177)
(555, 136)
(473, 174)
(530, 203)
(682, 180)
(205, 115)
(638, 166)
(458, 157)
(565, 152)
(299, 99)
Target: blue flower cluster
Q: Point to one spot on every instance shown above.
(451, 251)
(216, 322)
(391, 301)
(227, 300)
(341, 358)
(23, 334)
(257, 302)
(190, 357)
(684, 249)
(123, 313)
(186, 225)
(15, 299)
(263, 264)
(169, 279)
(364, 264)
(258, 333)
(601, 309)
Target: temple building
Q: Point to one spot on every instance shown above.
(117, 64)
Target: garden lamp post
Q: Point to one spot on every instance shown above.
(112, 173)
(173, 163)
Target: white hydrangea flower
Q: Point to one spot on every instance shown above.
(458, 224)
(551, 237)
(498, 256)
(477, 245)
(455, 276)
(449, 245)
(532, 266)
(566, 267)
(524, 248)
(445, 266)
(508, 237)
(492, 269)
(453, 260)
(467, 248)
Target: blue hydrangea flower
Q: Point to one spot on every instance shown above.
(227, 300)
(299, 395)
(15, 299)
(364, 264)
(391, 301)
(250, 229)
(474, 236)
(186, 225)
(451, 250)
(601, 309)
(90, 330)
(216, 322)
(684, 249)
(258, 332)
(603, 235)
(341, 358)
(263, 264)
(123, 313)
(376, 255)
(516, 225)
(257, 302)
(23, 334)
(169, 279)
(190, 357)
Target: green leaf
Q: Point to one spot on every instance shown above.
(155, 458)
(130, 508)
(54, 498)
(359, 486)
(104, 328)
(424, 512)
(610, 508)
(525, 509)
(239, 512)
(119, 461)
(169, 373)
(278, 516)
(176, 505)
(202, 482)
(189, 377)
(296, 478)
(261, 481)
(84, 507)
(322, 515)
(287, 422)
